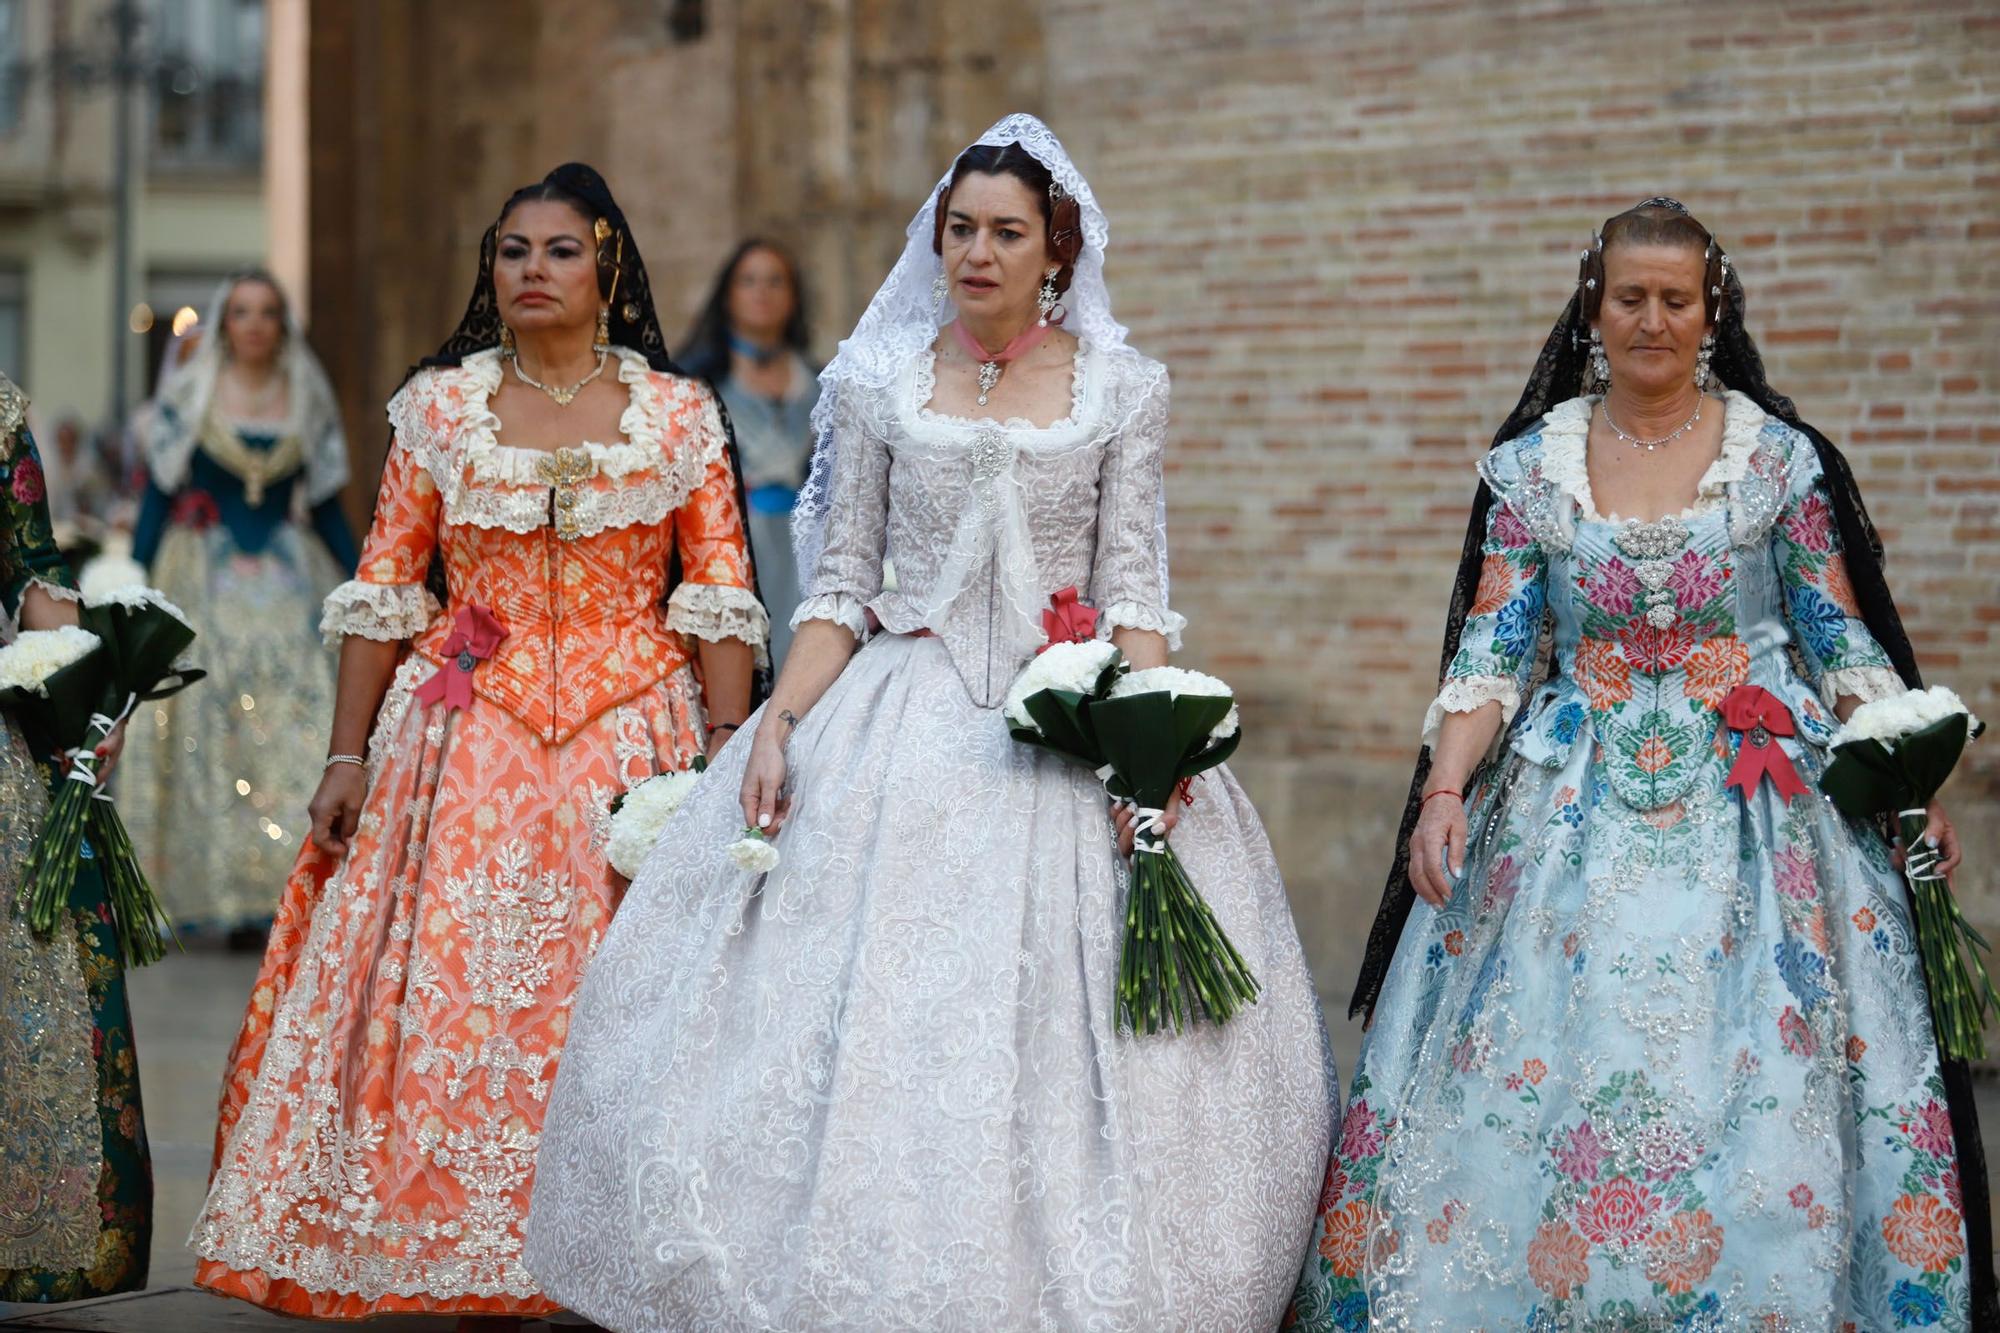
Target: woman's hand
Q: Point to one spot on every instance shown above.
(1125, 814)
(336, 807)
(1939, 837)
(765, 804)
(718, 738)
(1437, 849)
(108, 751)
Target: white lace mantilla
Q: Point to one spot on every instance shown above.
(714, 613)
(381, 611)
(673, 435)
(1469, 694)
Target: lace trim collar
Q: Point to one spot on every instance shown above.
(1082, 381)
(1565, 451)
(673, 435)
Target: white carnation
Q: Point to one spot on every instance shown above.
(1075, 667)
(108, 573)
(642, 816)
(133, 596)
(1889, 720)
(29, 661)
(754, 852)
(1178, 681)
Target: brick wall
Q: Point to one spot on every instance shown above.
(1346, 226)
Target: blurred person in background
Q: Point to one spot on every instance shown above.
(241, 526)
(750, 343)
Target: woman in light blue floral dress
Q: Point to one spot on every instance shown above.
(1657, 1052)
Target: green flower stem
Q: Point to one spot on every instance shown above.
(1177, 965)
(1944, 941)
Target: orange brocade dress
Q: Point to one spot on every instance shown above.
(385, 1097)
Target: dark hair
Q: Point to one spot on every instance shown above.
(555, 192)
(706, 352)
(1060, 211)
(1655, 222)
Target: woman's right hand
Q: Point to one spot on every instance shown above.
(764, 802)
(1440, 837)
(336, 807)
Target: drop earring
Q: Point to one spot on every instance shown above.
(938, 290)
(1046, 300)
(1598, 380)
(1701, 358)
(602, 343)
(506, 342)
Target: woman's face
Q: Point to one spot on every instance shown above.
(995, 248)
(545, 268)
(761, 299)
(1652, 318)
(253, 322)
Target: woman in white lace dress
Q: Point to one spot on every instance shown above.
(882, 1087)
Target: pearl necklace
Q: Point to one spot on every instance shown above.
(1650, 445)
(563, 395)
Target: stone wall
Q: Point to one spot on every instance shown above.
(1345, 226)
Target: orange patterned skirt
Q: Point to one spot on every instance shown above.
(385, 1097)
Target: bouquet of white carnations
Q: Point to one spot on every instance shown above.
(640, 813)
(1144, 733)
(70, 688)
(1891, 758)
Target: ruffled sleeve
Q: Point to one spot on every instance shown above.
(1496, 647)
(1841, 657)
(1128, 580)
(848, 574)
(713, 600)
(386, 600)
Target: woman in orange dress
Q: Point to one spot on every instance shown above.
(385, 1097)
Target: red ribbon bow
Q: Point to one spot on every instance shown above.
(195, 509)
(1070, 620)
(474, 636)
(1760, 718)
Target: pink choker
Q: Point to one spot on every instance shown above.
(992, 363)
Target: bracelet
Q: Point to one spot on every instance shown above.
(720, 727)
(357, 760)
(1441, 791)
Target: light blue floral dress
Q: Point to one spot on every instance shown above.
(1665, 1060)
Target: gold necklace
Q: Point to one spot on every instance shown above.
(563, 395)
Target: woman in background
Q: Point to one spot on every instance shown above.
(243, 449)
(750, 343)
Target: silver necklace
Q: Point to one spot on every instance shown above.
(1650, 445)
(563, 395)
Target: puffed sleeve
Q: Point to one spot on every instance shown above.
(1840, 655)
(714, 600)
(1128, 580)
(30, 554)
(386, 599)
(1496, 646)
(848, 573)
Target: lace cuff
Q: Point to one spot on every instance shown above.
(712, 611)
(1138, 615)
(843, 609)
(381, 611)
(1865, 683)
(1468, 694)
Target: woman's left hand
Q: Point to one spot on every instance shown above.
(1124, 814)
(1941, 838)
(108, 751)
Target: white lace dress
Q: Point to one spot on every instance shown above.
(882, 1088)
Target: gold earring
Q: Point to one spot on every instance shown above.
(603, 343)
(506, 342)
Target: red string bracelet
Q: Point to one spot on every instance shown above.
(1442, 791)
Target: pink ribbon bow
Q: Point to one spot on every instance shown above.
(1760, 717)
(474, 636)
(1070, 620)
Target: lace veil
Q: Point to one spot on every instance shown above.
(906, 316)
(172, 423)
